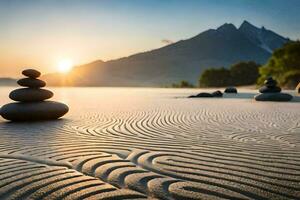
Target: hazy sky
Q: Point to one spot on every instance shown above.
(40, 33)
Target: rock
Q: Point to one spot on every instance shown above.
(31, 73)
(45, 110)
(32, 106)
(270, 82)
(266, 89)
(273, 97)
(217, 93)
(30, 94)
(230, 90)
(202, 94)
(298, 88)
(271, 92)
(31, 82)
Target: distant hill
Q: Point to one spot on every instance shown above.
(8, 82)
(183, 60)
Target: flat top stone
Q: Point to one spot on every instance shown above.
(30, 94)
(31, 82)
(31, 73)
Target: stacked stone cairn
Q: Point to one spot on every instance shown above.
(31, 104)
(271, 92)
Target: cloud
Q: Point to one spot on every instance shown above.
(167, 41)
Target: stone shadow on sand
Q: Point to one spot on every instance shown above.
(33, 127)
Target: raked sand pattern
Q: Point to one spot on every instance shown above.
(152, 143)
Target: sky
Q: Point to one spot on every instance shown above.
(42, 33)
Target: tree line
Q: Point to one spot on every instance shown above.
(284, 66)
(243, 73)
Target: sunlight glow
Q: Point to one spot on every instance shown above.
(64, 66)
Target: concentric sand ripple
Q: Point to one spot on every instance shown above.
(144, 143)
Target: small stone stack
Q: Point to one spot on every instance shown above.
(271, 92)
(31, 104)
(270, 86)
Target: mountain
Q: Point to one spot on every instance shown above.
(264, 38)
(183, 60)
(8, 82)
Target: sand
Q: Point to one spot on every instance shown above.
(153, 143)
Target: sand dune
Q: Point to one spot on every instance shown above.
(153, 143)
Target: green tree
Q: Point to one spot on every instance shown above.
(183, 84)
(244, 73)
(215, 77)
(284, 65)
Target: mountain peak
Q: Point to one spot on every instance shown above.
(247, 25)
(227, 26)
(262, 37)
(246, 22)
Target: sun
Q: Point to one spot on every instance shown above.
(65, 65)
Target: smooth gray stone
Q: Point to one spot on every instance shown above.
(266, 89)
(31, 82)
(230, 90)
(270, 82)
(273, 97)
(30, 94)
(45, 110)
(202, 94)
(31, 73)
(217, 93)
